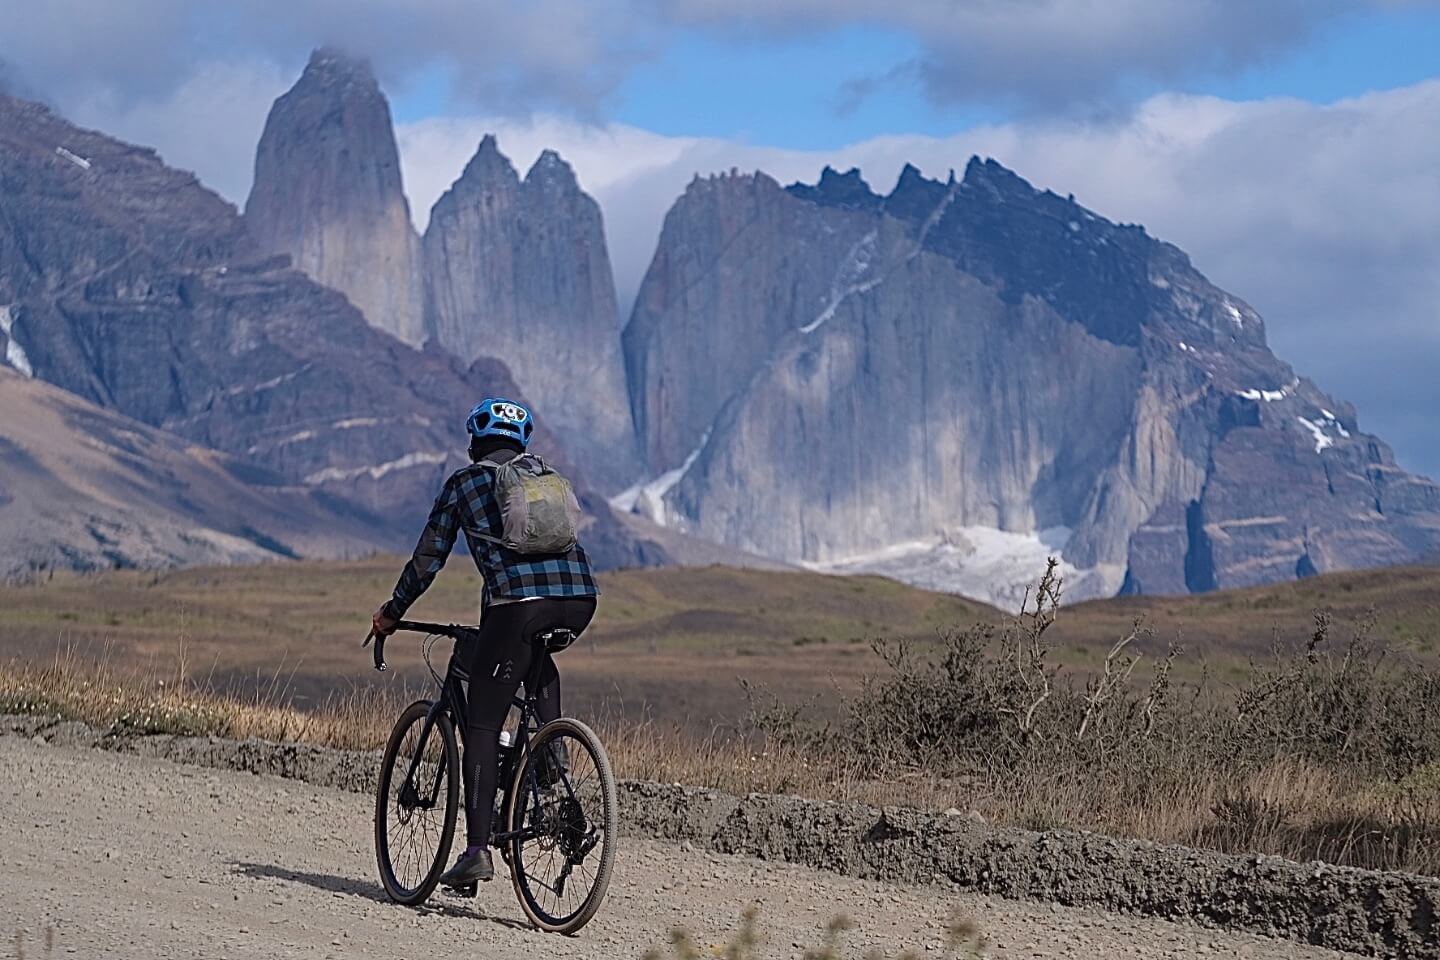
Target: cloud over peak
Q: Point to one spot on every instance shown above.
(571, 57)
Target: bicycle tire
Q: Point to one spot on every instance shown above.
(610, 816)
(394, 886)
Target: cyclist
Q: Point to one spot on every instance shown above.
(524, 596)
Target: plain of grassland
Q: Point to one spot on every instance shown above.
(1273, 732)
(671, 644)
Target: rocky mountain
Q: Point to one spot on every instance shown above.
(945, 383)
(518, 269)
(86, 488)
(132, 286)
(328, 193)
(950, 381)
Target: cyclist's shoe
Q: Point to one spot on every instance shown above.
(469, 869)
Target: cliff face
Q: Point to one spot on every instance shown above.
(518, 269)
(129, 284)
(328, 193)
(932, 381)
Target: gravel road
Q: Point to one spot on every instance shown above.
(130, 857)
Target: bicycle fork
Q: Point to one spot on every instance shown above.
(409, 794)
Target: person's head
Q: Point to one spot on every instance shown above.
(498, 424)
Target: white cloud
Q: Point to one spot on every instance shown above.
(1049, 53)
(1326, 218)
(210, 123)
(541, 53)
(571, 56)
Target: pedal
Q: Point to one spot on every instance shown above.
(466, 891)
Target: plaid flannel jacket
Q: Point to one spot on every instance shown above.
(468, 503)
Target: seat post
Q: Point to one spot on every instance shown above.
(538, 652)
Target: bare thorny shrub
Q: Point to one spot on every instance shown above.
(1331, 751)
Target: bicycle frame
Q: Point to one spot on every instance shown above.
(453, 700)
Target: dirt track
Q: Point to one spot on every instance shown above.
(131, 857)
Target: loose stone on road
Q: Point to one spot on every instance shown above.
(130, 857)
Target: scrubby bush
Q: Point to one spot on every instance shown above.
(1328, 750)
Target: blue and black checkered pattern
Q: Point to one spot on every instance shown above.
(468, 503)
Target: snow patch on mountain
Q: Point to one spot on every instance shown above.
(983, 563)
(270, 384)
(1339, 427)
(1269, 396)
(648, 497)
(299, 437)
(14, 353)
(76, 159)
(848, 280)
(377, 471)
(1317, 430)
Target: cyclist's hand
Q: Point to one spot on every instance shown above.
(384, 625)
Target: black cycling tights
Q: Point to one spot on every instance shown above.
(502, 657)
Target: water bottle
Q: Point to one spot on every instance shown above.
(503, 756)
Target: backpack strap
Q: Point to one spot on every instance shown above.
(534, 458)
(495, 466)
(539, 468)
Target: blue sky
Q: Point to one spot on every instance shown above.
(793, 90)
(1290, 146)
(1374, 50)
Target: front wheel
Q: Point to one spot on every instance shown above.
(562, 819)
(417, 801)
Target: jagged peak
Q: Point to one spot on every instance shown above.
(835, 189)
(991, 173)
(551, 170)
(331, 65)
(850, 179)
(909, 175)
(732, 177)
(915, 195)
(489, 163)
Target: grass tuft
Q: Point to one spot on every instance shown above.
(962, 941)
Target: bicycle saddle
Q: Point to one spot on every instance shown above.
(557, 639)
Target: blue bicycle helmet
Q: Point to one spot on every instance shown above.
(498, 417)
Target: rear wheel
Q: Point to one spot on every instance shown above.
(416, 804)
(565, 816)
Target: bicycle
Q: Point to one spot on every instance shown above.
(552, 779)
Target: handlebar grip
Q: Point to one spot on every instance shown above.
(379, 639)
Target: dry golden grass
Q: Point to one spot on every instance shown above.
(1293, 809)
(668, 644)
(272, 652)
(128, 703)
